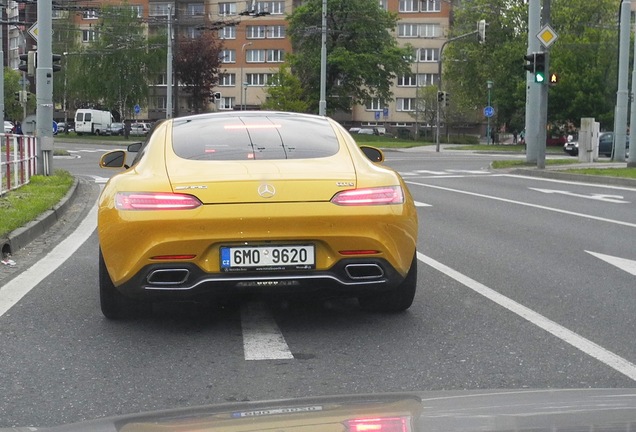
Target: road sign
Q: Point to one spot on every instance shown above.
(489, 111)
(377, 115)
(34, 31)
(385, 112)
(137, 109)
(547, 36)
(54, 127)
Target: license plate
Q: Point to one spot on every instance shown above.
(281, 257)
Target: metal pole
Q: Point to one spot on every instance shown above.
(1, 65)
(631, 160)
(620, 116)
(417, 93)
(489, 85)
(243, 81)
(169, 66)
(322, 105)
(44, 88)
(533, 90)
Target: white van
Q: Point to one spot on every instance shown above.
(92, 121)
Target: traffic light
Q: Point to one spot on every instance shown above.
(29, 62)
(56, 59)
(440, 96)
(539, 67)
(530, 67)
(554, 78)
(18, 96)
(481, 31)
(446, 98)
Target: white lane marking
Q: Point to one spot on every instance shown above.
(98, 179)
(421, 204)
(569, 182)
(587, 346)
(602, 219)
(622, 263)
(617, 199)
(16, 288)
(262, 339)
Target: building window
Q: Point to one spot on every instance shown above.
(255, 32)
(228, 32)
(195, 9)
(430, 6)
(405, 104)
(227, 9)
(407, 6)
(429, 30)
(276, 32)
(425, 79)
(258, 79)
(159, 9)
(227, 80)
(272, 7)
(158, 103)
(428, 54)
(89, 35)
(193, 32)
(90, 15)
(375, 104)
(419, 30)
(275, 56)
(162, 79)
(255, 56)
(228, 56)
(226, 103)
(406, 81)
(384, 4)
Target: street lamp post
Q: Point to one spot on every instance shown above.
(242, 80)
(417, 93)
(489, 85)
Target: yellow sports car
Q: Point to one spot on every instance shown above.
(225, 203)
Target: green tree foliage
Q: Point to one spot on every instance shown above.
(196, 66)
(13, 108)
(363, 57)
(582, 55)
(66, 43)
(117, 69)
(285, 93)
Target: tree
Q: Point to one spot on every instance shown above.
(285, 93)
(196, 66)
(587, 33)
(119, 66)
(363, 57)
(12, 108)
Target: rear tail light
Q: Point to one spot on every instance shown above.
(370, 196)
(381, 424)
(155, 201)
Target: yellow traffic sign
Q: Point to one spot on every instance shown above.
(34, 31)
(547, 35)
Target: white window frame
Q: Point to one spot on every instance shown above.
(275, 56)
(430, 6)
(227, 80)
(90, 14)
(159, 9)
(408, 30)
(258, 79)
(227, 8)
(407, 6)
(227, 103)
(227, 32)
(427, 55)
(255, 56)
(276, 32)
(228, 56)
(195, 9)
(405, 104)
(255, 32)
(406, 80)
(429, 30)
(375, 104)
(89, 35)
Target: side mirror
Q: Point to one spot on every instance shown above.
(373, 154)
(113, 159)
(135, 147)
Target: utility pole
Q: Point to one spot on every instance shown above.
(169, 66)
(535, 127)
(622, 95)
(322, 104)
(44, 88)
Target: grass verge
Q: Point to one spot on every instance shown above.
(609, 172)
(20, 206)
(498, 164)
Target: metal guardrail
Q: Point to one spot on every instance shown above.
(18, 161)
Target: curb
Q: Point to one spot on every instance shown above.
(22, 236)
(583, 178)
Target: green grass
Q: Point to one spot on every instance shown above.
(20, 206)
(610, 172)
(503, 148)
(521, 163)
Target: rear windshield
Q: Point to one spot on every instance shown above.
(250, 136)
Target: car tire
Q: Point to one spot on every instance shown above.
(397, 300)
(114, 304)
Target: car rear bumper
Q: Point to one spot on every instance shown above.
(186, 280)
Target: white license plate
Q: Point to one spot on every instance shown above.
(281, 257)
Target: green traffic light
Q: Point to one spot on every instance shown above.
(539, 77)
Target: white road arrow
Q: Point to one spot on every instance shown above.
(421, 204)
(618, 199)
(622, 263)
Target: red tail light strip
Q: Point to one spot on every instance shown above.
(155, 201)
(370, 196)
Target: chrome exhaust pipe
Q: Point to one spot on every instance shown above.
(168, 276)
(364, 271)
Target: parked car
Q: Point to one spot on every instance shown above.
(62, 126)
(139, 129)
(214, 194)
(115, 129)
(605, 145)
(8, 127)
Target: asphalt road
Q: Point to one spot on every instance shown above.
(523, 283)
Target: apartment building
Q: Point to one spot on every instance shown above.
(255, 44)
